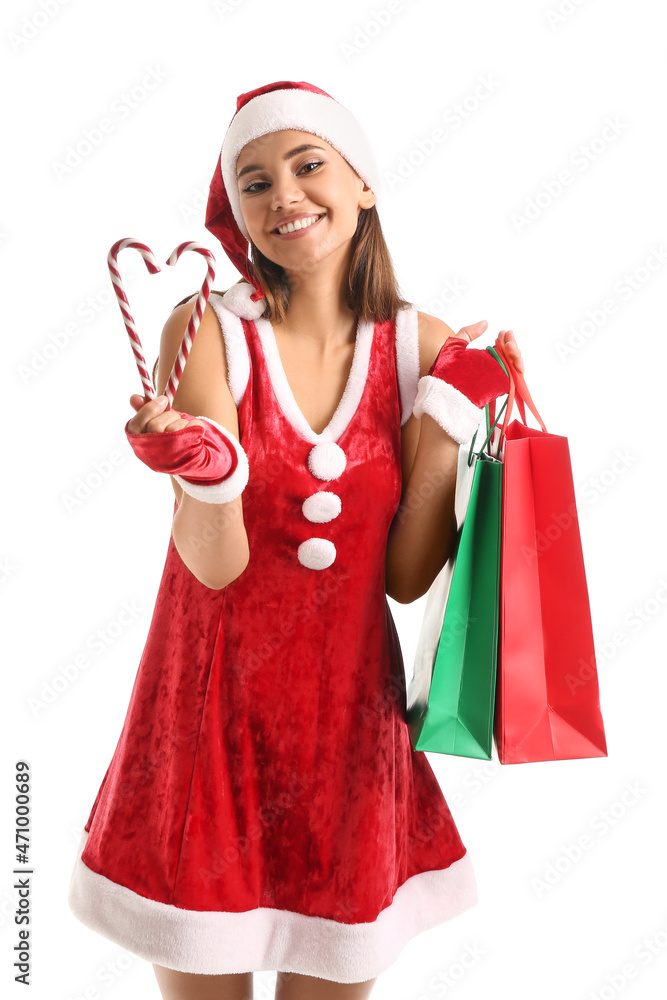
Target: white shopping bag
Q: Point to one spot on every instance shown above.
(437, 594)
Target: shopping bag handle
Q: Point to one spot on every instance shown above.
(518, 390)
(491, 420)
(491, 406)
(490, 414)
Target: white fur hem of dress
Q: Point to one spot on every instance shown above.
(267, 939)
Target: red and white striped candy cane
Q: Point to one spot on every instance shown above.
(153, 267)
(195, 317)
(193, 323)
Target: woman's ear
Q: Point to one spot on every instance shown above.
(367, 197)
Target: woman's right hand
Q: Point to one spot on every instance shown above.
(162, 452)
(155, 416)
(204, 452)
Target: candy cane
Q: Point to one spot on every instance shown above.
(195, 317)
(153, 267)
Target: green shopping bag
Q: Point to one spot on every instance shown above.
(454, 713)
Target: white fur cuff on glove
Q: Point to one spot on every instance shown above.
(448, 407)
(229, 488)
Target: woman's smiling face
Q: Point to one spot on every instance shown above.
(288, 175)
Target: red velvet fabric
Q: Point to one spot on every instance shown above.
(204, 453)
(472, 371)
(265, 760)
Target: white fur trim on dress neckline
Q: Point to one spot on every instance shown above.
(354, 387)
(407, 358)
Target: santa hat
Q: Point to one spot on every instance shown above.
(271, 108)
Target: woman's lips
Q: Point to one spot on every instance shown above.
(298, 232)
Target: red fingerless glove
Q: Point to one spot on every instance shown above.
(457, 387)
(473, 372)
(201, 455)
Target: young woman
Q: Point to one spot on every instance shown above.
(264, 808)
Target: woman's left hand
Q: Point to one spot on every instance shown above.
(511, 348)
(506, 338)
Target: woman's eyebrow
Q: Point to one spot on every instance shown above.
(287, 156)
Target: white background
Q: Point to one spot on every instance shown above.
(554, 82)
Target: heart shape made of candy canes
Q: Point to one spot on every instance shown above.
(193, 323)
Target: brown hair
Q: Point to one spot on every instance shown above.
(373, 291)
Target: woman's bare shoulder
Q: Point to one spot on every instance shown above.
(206, 365)
(203, 388)
(433, 332)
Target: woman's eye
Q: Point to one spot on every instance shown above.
(311, 163)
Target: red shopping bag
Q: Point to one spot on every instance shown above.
(547, 695)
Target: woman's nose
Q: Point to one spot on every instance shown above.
(285, 191)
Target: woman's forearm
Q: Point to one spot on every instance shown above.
(423, 531)
(211, 539)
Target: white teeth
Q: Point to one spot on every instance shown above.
(299, 224)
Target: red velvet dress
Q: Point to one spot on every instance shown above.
(264, 808)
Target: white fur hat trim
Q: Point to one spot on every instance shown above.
(304, 111)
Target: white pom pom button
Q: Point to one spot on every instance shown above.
(323, 506)
(327, 460)
(316, 553)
